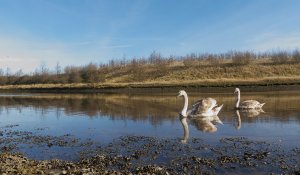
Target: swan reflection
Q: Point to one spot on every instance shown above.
(204, 124)
(238, 124)
(246, 113)
(186, 132)
(251, 112)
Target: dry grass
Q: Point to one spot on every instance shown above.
(219, 82)
(177, 73)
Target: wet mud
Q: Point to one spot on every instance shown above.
(145, 155)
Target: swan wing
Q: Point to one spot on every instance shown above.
(194, 110)
(203, 106)
(209, 103)
(217, 109)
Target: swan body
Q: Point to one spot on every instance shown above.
(204, 108)
(248, 104)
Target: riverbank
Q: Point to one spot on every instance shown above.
(279, 83)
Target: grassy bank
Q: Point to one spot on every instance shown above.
(235, 69)
(219, 82)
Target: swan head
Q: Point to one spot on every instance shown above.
(236, 90)
(181, 93)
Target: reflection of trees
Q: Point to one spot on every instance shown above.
(117, 107)
(154, 108)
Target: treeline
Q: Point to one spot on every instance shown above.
(135, 68)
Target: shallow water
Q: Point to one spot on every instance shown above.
(102, 118)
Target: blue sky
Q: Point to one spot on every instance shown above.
(76, 32)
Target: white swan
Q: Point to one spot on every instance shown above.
(248, 104)
(205, 107)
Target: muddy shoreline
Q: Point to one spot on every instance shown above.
(145, 155)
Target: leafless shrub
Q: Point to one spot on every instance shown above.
(136, 67)
(242, 58)
(189, 62)
(73, 74)
(296, 55)
(214, 59)
(89, 73)
(280, 57)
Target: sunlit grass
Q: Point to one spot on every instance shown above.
(218, 82)
(233, 69)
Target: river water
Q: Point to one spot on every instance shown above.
(103, 118)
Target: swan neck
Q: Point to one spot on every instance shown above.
(184, 110)
(238, 97)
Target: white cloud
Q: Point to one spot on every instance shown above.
(117, 46)
(25, 54)
(28, 54)
(270, 41)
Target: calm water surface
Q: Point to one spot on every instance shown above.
(102, 118)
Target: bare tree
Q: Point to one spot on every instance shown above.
(2, 77)
(296, 55)
(57, 69)
(73, 74)
(8, 72)
(43, 68)
(19, 73)
(280, 57)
